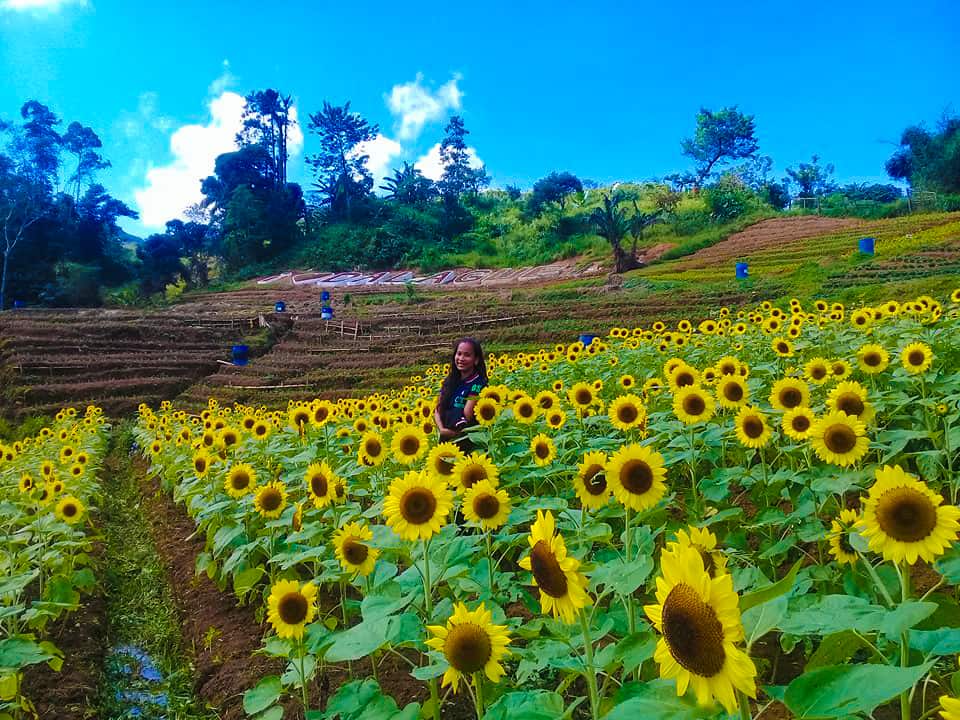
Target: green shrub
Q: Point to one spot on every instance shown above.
(730, 198)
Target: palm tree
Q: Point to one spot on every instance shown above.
(613, 225)
(408, 186)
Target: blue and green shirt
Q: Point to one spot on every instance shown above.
(453, 413)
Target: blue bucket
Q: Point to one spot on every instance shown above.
(240, 354)
(587, 339)
(280, 306)
(742, 271)
(867, 245)
(325, 295)
(19, 304)
(326, 313)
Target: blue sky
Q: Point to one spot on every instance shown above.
(605, 90)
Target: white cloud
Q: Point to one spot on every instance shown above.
(50, 6)
(413, 105)
(294, 134)
(380, 151)
(226, 80)
(432, 166)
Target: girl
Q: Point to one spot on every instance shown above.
(459, 392)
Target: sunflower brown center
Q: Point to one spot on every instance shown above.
(200, 464)
(240, 480)
(260, 430)
(683, 378)
(694, 405)
(728, 369)
(410, 445)
(693, 632)
(584, 397)
(840, 438)
(801, 423)
(542, 450)
(782, 347)
(486, 506)
(753, 427)
(915, 358)
(844, 542)
(525, 410)
(627, 413)
(906, 514)
(300, 419)
(472, 474)
(319, 485)
(444, 465)
(271, 500)
(292, 608)
(487, 411)
(636, 476)
(733, 392)
(547, 571)
(791, 397)
(850, 404)
(418, 505)
(355, 552)
(872, 359)
(320, 414)
(373, 448)
(69, 510)
(467, 648)
(595, 480)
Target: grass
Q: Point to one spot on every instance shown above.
(140, 606)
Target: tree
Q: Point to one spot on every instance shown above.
(340, 168)
(37, 144)
(408, 186)
(194, 241)
(555, 187)
(812, 179)
(513, 192)
(24, 200)
(613, 225)
(267, 121)
(639, 222)
(720, 137)
(82, 142)
(929, 160)
(160, 262)
(458, 176)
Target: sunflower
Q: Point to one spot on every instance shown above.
(851, 398)
(472, 469)
(240, 480)
(555, 419)
(409, 443)
(201, 463)
(840, 369)
(705, 542)
(372, 448)
(229, 437)
(582, 395)
(627, 382)
(683, 376)
(817, 370)
(417, 505)
(524, 410)
(320, 480)
(321, 412)
(69, 509)
(590, 482)
(782, 347)
(260, 429)
(839, 537)
(291, 607)
(471, 643)
(442, 459)
(562, 587)
(27, 483)
(635, 475)
(486, 410)
(543, 450)
(873, 358)
(916, 358)
(839, 439)
(627, 412)
(789, 393)
(951, 706)
(752, 428)
(486, 505)
(699, 621)
(732, 390)
(66, 454)
(270, 500)
(904, 519)
(798, 423)
(351, 548)
(693, 404)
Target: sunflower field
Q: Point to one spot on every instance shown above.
(749, 515)
(48, 484)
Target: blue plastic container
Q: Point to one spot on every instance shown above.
(325, 295)
(867, 245)
(19, 304)
(326, 313)
(280, 306)
(742, 270)
(240, 354)
(587, 339)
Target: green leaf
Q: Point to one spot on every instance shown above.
(835, 649)
(936, 642)
(781, 587)
(761, 619)
(621, 577)
(842, 690)
(272, 713)
(635, 649)
(16, 653)
(357, 642)
(245, 581)
(526, 705)
(656, 700)
(948, 565)
(386, 601)
(265, 694)
(905, 616)
(830, 614)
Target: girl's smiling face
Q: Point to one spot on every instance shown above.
(465, 359)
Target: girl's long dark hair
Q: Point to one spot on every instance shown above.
(452, 380)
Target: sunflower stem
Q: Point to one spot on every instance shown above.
(489, 544)
(478, 700)
(744, 706)
(302, 651)
(905, 641)
(628, 544)
(428, 607)
(591, 675)
(876, 580)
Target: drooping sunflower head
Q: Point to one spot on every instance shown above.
(590, 482)
(291, 607)
(698, 618)
(873, 358)
(693, 404)
(472, 469)
(789, 393)
(903, 519)
(916, 358)
(241, 479)
(839, 537)
(442, 459)
(69, 509)
(542, 450)
(471, 643)
(732, 390)
(635, 474)
(798, 423)
(627, 412)
(562, 586)
(352, 548)
(270, 500)
(839, 439)
(751, 427)
(409, 443)
(417, 505)
(486, 505)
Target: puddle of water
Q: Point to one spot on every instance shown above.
(139, 687)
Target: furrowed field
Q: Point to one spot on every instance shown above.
(747, 514)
